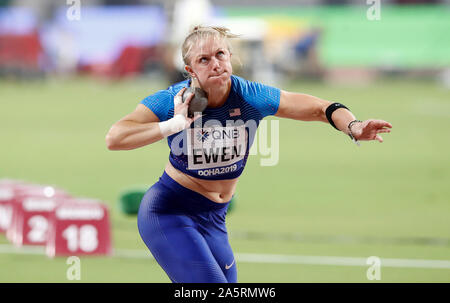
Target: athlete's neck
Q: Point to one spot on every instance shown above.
(217, 96)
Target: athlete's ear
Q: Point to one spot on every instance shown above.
(189, 69)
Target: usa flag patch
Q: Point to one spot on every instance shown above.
(235, 112)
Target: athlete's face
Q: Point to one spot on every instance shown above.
(210, 63)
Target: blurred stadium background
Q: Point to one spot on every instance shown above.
(66, 76)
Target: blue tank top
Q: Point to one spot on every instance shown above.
(216, 146)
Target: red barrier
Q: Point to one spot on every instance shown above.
(43, 215)
(79, 227)
(7, 190)
(31, 207)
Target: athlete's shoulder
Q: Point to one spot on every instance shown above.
(248, 87)
(175, 88)
(242, 86)
(161, 102)
(264, 98)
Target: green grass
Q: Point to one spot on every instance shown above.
(323, 185)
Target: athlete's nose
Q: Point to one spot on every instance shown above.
(215, 64)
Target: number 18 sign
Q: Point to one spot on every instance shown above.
(79, 227)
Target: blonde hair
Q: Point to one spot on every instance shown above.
(199, 33)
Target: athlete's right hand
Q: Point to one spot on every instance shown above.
(181, 108)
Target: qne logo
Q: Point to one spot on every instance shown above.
(222, 134)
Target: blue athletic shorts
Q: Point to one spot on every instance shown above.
(186, 233)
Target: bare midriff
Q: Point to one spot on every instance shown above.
(219, 191)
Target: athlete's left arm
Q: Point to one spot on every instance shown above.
(305, 107)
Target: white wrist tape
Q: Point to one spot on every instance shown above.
(172, 126)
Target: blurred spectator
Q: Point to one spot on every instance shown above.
(293, 48)
(307, 51)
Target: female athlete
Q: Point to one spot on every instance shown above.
(182, 216)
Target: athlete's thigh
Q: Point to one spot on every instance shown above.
(177, 246)
(216, 236)
(181, 250)
(223, 254)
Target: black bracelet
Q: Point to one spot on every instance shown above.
(330, 109)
